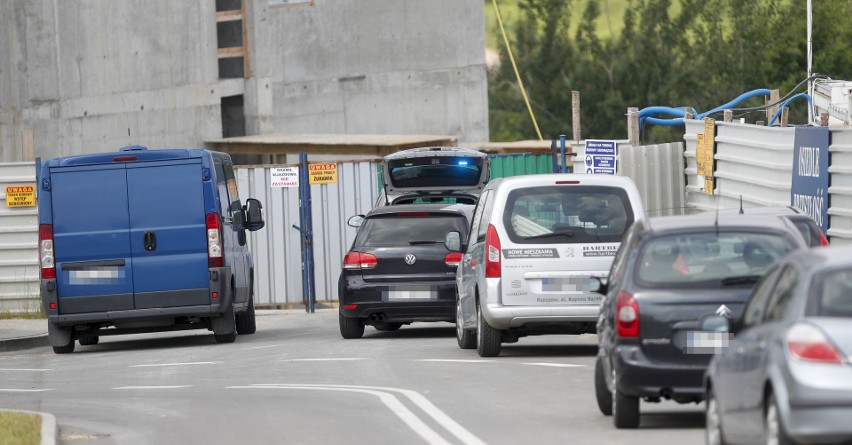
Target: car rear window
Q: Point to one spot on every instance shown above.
(566, 214)
(808, 229)
(439, 171)
(833, 296)
(709, 260)
(409, 229)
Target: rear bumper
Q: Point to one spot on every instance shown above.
(820, 424)
(373, 299)
(640, 376)
(219, 282)
(508, 317)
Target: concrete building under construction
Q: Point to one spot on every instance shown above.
(83, 76)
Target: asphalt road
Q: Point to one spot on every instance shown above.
(297, 381)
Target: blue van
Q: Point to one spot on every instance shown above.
(144, 241)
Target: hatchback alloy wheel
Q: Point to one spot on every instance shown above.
(713, 429)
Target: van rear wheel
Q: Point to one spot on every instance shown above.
(90, 340)
(246, 322)
(488, 339)
(225, 327)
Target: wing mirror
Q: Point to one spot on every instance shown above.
(253, 215)
(715, 323)
(453, 241)
(598, 285)
(355, 221)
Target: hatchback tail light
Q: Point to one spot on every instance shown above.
(358, 260)
(627, 316)
(823, 240)
(214, 241)
(453, 259)
(492, 253)
(45, 250)
(807, 342)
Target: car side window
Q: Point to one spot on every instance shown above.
(618, 261)
(477, 217)
(234, 208)
(756, 306)
(782, 294)
(482, 227)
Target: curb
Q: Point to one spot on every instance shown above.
(20, 343)
(49, 432)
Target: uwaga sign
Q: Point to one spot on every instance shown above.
(20, 196)
(322, 173)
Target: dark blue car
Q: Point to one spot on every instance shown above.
(144, 240)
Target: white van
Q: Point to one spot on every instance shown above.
(535, 242)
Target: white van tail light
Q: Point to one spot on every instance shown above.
(45, 251)
(358, 261)
(492, 253)
(214, 241)
(453, 259)
(627, 316)
(807, 342)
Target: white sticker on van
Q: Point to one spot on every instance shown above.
(530, 253)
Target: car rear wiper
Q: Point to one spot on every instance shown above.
(744, 279)
(568, 233)
(418, 242)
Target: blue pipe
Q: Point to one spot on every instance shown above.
(787, 102)
(741, 98)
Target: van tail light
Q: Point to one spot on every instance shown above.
(808, 343)
(453, 259)
(823, 240)
(45, 251)
(492, 253)
(214, 241)
(627, 315)
(359, 261)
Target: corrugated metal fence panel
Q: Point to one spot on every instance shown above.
(277, 247)
(753, 162)
(840, 190)
(19, 274)
(657, 170)
(504, 165)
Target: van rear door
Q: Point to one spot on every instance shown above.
(168, 236)
(92, 243)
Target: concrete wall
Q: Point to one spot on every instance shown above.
(369, 66)
(77, 74)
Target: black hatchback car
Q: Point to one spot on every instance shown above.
(668, 279)
(402, 266)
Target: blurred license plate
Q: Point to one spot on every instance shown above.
(418, 294)
(566, 284)
(702, 342)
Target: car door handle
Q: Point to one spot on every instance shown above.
(150, 241)
(466, 260)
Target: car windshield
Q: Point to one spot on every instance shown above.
(396, 230)
(441, 171)
(567, 214)
(709, 260)
(833, 296)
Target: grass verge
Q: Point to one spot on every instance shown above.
(19, 428)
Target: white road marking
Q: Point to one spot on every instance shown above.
(263, 347)
(23, 369)
(154, 387)
(175, 364)
(454, 361)
(342, 359)
(403, 413)
(555, 365)
(24, 390)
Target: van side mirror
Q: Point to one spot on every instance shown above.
(453, 241)
(598, 285)
(254, 215)
(715, 323)
(355, 221)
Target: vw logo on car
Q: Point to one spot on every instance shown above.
(410, 259)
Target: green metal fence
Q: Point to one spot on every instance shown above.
(504, 165)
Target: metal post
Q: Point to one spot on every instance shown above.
(553, 156)
(575, 115)
(562, 152)
(633, 126)
(306, 231)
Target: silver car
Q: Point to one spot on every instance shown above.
(786, 376)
